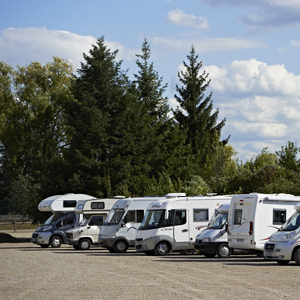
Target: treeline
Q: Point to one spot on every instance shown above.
(100, 133)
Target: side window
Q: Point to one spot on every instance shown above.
(69, 203)
(139, 216)
(97, 205)
(96, 221)
(130, 216)
(238, 216)
(170, 220)
(69, 220)
(200, 214)
(180, 217)
(279, 216)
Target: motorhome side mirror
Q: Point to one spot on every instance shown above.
(166, 215)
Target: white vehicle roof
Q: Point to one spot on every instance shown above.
(297, 207)
(168, 202)
(94, 206)
(62, 203)
(224, 208)
(281, 197)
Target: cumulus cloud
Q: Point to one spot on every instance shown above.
(20, 46)
(260, 102)
(178, 17)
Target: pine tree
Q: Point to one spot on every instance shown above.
(195, 114)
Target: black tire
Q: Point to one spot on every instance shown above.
(111, 250)
(76, 247)
(150, 252)
(84, 244)
(120, 246)
(297, 257)
(55, 241)
(45, 246)
(223, 251)
(162, 249)
(209, 255)
(283, 262)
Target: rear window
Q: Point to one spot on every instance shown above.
(238, 216)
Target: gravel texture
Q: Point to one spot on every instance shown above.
(30, 272)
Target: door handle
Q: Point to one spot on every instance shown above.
(185, 230)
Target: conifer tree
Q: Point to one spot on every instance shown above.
(195, 114)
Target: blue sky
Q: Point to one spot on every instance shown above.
(249, 48)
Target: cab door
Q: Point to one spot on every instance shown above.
(181, 228)
(94, 225)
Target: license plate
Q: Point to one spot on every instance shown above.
(240, 240)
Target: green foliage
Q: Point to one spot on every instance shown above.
(195, 114)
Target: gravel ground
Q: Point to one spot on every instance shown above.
(30, 272)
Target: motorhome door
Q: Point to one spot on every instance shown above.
(181, 228)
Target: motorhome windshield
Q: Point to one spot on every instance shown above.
(156, 219)
(53, 219)
(292, 223)
(218, 221)
(114, 216)
(85, 221)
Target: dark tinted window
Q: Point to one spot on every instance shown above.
(238, 217)
(70, 203)
(97, 205)
(96, 221)
(279, 216)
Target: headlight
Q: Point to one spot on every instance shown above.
(206, 240)
(289, 235)
(46, 228)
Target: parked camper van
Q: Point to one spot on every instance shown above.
(120, 227)
(212, 241)
(53, 231)
(94, 213)
(252, 218)
(284, 245)
(172, 224)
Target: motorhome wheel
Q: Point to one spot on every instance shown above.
(162, 248)
(55, 241)
(297, 257)
(120, 247)
(45, 246)
(84, 244)
(223, 251)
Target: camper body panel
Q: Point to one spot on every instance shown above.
(120, 227)
(53, 231)
(180, 221)
(87, 232)
(252, 218)
(283, 245)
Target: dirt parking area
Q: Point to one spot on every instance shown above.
(30, 272)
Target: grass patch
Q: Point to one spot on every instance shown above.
(19, 226)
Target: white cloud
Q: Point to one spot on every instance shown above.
(178, 17)
(260, 102)
(208, 44)
(20, 46)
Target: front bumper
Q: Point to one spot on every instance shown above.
(278, 251)
(206, 248)
(41, 238)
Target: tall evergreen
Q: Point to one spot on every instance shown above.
(195, 114)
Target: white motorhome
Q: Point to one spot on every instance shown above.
(212, 241)
(172, 224)
(284, 245)
(252, 218)
(121, 225)
(62, 207)
(94, 214)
